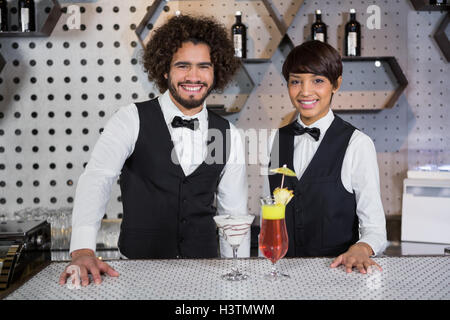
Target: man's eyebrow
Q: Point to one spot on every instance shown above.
(190, 63)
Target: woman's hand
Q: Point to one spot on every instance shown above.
(358, 255)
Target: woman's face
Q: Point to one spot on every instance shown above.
(311, 95)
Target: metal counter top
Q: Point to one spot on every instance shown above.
(405, 278)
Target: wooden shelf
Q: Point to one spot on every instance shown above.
(252, 60)
(235, 95)
(373, 83)
(441, 37)
(2, 62)
(424, 5)
(369, 98)
(46, 28)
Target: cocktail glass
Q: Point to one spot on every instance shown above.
(273, 238)
(233, 229)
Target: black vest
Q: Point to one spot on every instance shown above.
(167, 214)
(321, 219)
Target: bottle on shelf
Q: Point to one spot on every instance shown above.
(239, 33)
(3, 16)
(318, 28)
(439, 2)
(27, 16)
(352, 36)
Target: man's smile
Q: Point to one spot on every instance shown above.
(192, 88)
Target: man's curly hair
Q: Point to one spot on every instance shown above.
(168, 38)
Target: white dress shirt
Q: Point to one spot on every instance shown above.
(359, 174)
(116, 144)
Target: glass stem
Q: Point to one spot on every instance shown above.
(274, 268)
(235, 249)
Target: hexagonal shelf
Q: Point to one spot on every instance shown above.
(369, 83)
(283, 12)
(2, 62)
(442, 36)
(424, 5)
(263, 34)
(234, 96)
(50, 18)
(266, 30)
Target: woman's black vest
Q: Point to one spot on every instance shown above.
(321, 219)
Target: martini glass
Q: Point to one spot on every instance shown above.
(233, 229)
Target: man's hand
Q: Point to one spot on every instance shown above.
(88, 263)
(358, 255)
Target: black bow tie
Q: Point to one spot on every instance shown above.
(178, 122)
(297, 130)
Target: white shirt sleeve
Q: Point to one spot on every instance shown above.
(232, 191)
(361, 161)
(115, 145)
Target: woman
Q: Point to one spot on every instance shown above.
(337, 209)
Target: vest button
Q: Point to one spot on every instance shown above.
(183, 220)
(181, 240)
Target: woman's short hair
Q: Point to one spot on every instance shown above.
(168, 38)
(314, 57)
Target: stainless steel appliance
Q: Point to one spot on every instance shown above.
(24, 246)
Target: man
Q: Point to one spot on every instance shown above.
(170, 174)
(337, 209)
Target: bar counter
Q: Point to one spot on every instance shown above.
(402, 278)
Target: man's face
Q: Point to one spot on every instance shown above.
(191, 75)
(311, 95)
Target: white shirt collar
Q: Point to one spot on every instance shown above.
(323, 123)
(170, 110)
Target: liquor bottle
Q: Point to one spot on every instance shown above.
(3, 16)
(440, 2)
(318, 28)
(352, 36)
(27, 20)
(239, 33)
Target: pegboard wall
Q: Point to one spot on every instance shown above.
(57, 92)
